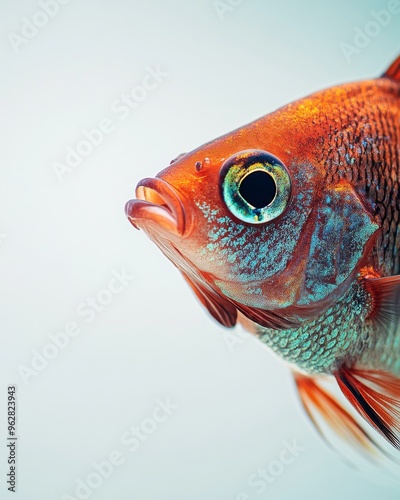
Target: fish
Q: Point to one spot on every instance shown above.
(290, 227)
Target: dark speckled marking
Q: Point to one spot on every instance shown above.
(364, 148)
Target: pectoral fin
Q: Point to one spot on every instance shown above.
(385, 294)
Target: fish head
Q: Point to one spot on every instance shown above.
(252, 223)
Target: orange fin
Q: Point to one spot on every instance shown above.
(393, 72)
(376, 396)
(219, 308)
(385, 294)
(225, 311)
(268, 319)
(317, 401)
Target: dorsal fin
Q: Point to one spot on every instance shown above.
(393, 72)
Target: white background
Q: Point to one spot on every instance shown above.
(61, 240)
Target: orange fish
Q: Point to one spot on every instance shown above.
(290, 225)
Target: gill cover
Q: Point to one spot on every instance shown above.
(336, 235)
(339, 233)
(342, 230)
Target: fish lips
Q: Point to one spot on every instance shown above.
(157, 203)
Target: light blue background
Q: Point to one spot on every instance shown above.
(61, 242)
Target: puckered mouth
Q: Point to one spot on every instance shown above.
(157, 202)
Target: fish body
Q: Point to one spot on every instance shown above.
(290, 225)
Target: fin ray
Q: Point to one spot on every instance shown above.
(376, 397)
(219, 308)
(268, 319)
(316, 399)
(385, 293)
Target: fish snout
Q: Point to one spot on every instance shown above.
(157, 202)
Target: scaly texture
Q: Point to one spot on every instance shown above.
(321, 345)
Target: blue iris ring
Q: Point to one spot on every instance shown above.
(237, 168)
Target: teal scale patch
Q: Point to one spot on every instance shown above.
(321, 345)
(342, 229)
(255, 252)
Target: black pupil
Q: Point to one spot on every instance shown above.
(258, 188)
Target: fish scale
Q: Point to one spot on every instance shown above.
(321, 345)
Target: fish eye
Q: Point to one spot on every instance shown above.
(255, 186)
